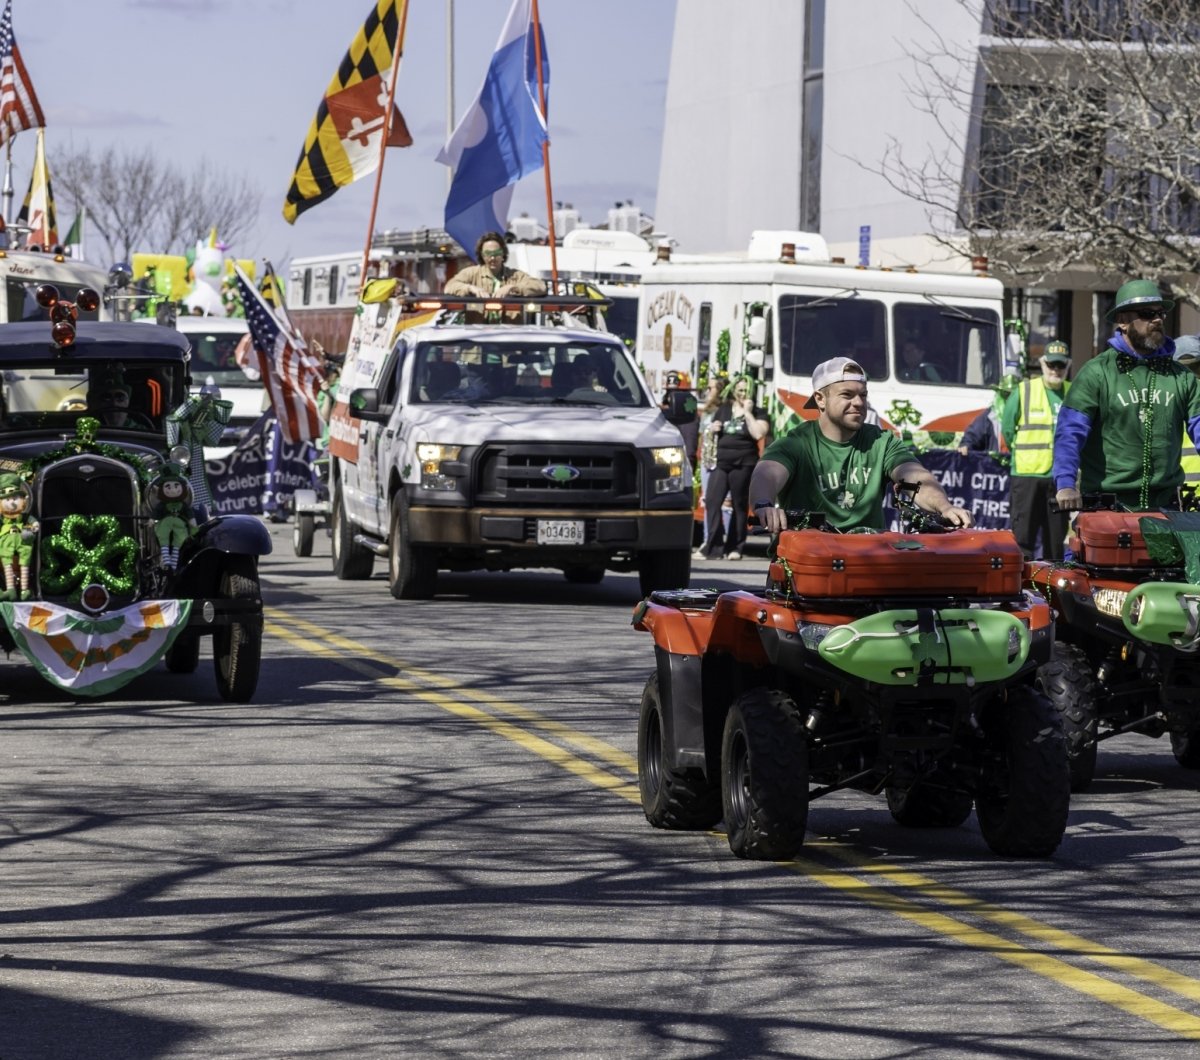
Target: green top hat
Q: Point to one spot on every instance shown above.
(10, 485)
(1137, 293)
(1009, 382)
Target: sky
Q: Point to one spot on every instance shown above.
(237, 82)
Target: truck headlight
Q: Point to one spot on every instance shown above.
(672, 471)
(431, 455)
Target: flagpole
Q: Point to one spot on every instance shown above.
(8, 184)
(449, 84)
(387, 132)
(537, 51)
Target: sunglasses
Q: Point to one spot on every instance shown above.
(493, 253)
(1150, 314)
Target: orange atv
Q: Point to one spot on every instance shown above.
(901, 663)
(1128, 609)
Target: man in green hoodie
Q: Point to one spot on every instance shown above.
(1121, 426)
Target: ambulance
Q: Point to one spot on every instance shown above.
(932, 344)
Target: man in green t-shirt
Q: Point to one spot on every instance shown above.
(1121, 427)
(840, 466)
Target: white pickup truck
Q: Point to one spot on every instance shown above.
(529, 441)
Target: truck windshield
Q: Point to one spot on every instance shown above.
(940, 343)
(214, 355)
(22, 300)
(526, 372)
(814, 328)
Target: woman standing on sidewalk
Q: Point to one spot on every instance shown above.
(738, 425)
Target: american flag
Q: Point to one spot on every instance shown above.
(19, 107)
(291, 374)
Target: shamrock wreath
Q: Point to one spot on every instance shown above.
(88, 550)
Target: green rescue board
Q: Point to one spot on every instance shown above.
(965, 646)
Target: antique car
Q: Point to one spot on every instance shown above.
(109, 557)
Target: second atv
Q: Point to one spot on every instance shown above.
(1127, 657)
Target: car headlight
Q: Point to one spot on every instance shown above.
(1109, 601)
(431, 455)
(672, 469)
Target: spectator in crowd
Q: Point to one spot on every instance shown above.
(1027, 425)
(714, 522)
(491, 277)
(839, 466)
(983, 435)
(739, 425)
(1120, 427)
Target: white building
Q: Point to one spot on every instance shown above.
(790, 133)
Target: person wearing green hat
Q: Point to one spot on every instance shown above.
(1121, 426)
(1027, 424)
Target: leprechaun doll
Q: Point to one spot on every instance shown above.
(18, 532)
(170, 498)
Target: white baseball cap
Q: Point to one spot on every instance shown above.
(835, 370)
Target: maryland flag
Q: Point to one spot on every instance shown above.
(38, 210)
(342, 144)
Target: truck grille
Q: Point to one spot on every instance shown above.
(596, 475)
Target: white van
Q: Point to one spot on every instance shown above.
(214, 341)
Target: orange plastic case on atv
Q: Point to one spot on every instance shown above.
(965, 563)
(1112, 539)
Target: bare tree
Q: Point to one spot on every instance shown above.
(1083, 139)
(136, 201)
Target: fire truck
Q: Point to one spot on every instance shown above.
(932, 344)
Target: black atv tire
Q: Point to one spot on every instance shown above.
(304, 528)
(1023, 799)
(1185, 746)
(1069, 682)
(679, 799)
(928, 806)
(237, 647)
(184, 655)
(764, 776)
(351, 561)
(412, 571)
(668, 569)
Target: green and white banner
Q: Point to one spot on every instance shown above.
(90, 655)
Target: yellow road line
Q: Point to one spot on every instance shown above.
(1136, 967)
(535, 744)
(326, 643)
(605, 752)
(1146, 1008)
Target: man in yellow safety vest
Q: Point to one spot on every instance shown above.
(1027, 425)
(1187, 353)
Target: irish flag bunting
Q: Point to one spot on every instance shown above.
(89, 656)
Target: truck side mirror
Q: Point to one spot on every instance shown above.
(364, 403)
(679, 406)
(756, 333)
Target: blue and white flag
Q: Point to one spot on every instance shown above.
(500, 138)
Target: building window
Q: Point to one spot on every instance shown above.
(1116, 20)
